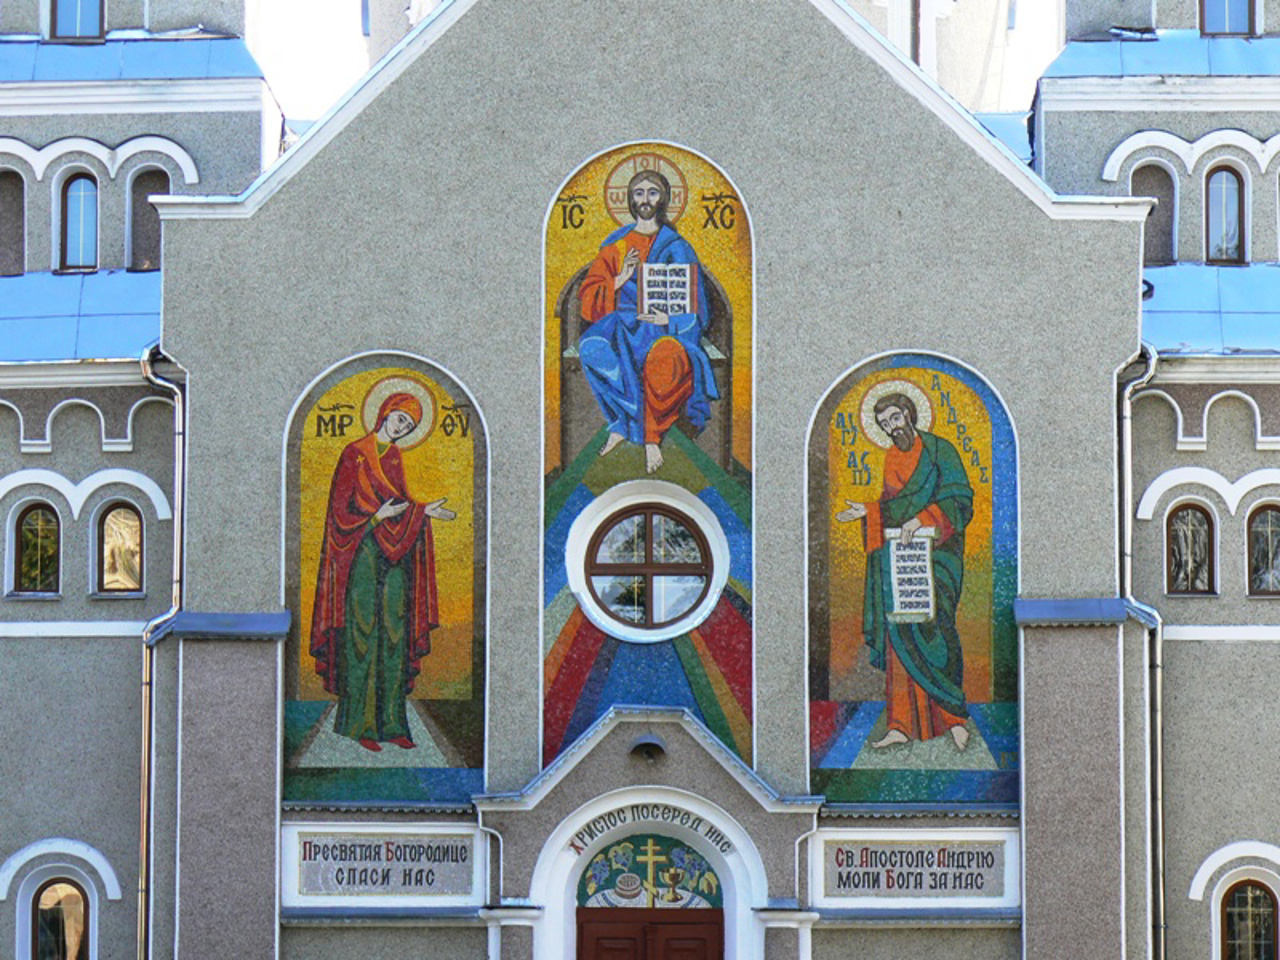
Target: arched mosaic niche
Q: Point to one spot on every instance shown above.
(648, 401)
(913, 541)
(650, 871)
(386, 553)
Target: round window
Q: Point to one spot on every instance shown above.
(648, 566)
(647, 561)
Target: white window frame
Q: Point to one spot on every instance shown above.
(24, 902)
(633, 494)
(1249, 511)
(1253, 874)
(59, 181)
(1211, 165)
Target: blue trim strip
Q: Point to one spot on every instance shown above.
(240, 626)
(1079, 612)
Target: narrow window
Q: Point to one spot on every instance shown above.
(648, 566)
(144, 220)
(13, 227)
(1264, 551)
(80, 224)
(60, 922)
(1151, 180)
(1224, 216)
(76, 20)
(120, 550)
(1248, 923)
(1190, 550)
(36, 563)
(1227, 17)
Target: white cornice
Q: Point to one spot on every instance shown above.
(236, 95)
(1259, 369)
(71, 373)
(906, 74)
(1129, 94)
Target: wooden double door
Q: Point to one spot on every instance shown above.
(643, 934)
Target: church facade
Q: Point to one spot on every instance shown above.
(673, 485)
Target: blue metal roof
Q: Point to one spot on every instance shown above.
(1184, 53)
(203, 58)
(1196, 308)
(108, 315)
(1011, 130)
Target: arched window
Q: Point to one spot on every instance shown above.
(1152, 180)
(76, 20)
(1189, 548)
(80, 223)
(120, 550)
(13, 217)
(37, 547)
(60, 922)
(1264, 551)
(1227, 16)
(1248, 923)
(144, 220)
(1224, 216)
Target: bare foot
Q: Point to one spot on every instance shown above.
(890, 739)
(613, 441)
(652, 457)
(960, 735)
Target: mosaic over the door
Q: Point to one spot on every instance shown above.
(648, 387)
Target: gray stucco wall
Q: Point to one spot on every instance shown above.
(990, 944)
(382, 943)
(858, 252)
(1097, 16)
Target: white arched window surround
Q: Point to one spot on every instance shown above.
(1212, 165)
(11, 547)
(148, 166)
(95, 547)
(1167, 167)
(7, 166)
(1215, 536)
(1256, 874)
(57, 184)
(76, 861)
(1248, 511)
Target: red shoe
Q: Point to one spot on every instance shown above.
(371, 745)
(404, 742)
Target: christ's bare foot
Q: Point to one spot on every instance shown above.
(961, 736)
(652, 457)
(890, 739)
(613, 441)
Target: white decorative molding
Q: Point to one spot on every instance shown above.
(72, 629)
(1199, 443)
(1173, 404)
(1228, 633)
(110, 158)
(236, 95)
(1145, 93)
(1231, 493)
(1190, 152)
(71, 373)
(63, 847)
(1238, 850)
(1217, 369)
(856, 30)
(77, 493)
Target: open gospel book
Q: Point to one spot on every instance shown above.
(669, 288)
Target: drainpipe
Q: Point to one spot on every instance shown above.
(1150, 618)
(149, 639)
